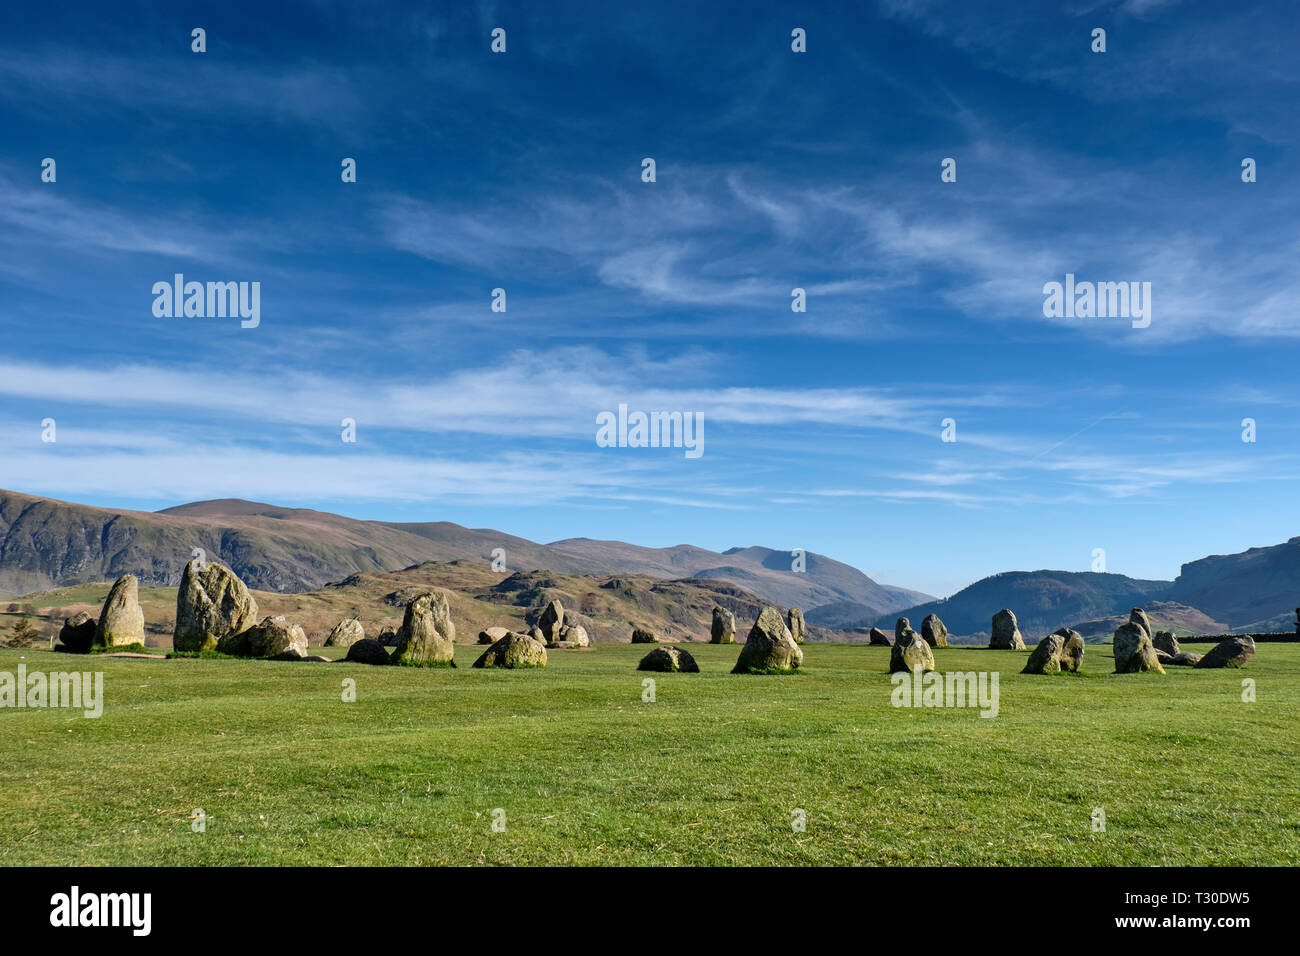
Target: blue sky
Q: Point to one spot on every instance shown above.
(775, 170)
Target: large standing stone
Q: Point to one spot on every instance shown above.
(78, 633)
(211, 603)
(1071, 658)
(769, 647)
(551, 620)
(934, 632)
(513, 650)
(368, 651)
(1046, 658)
(427, 635)
(1167, 642)
(122, 619)
(1134, 651)
(641, 636)
(879, 638)
(910, 653)
(669, 659)
(794, 621)
(724, 627)
(1232, 652)
(346, 633)
(1139, 617)
(1006, 632)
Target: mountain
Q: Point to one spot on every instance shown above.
(46, 543)
(1041, 600)
(1257, 585)
(822, 581)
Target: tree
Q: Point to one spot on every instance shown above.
(23, 634)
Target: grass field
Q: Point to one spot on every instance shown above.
(712, 772)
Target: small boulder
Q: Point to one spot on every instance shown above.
(78, 633)
(642, 636)
(1006, 632)
(1232, 652)
(427, 635)
(368, 651)
(769, 647)
(879, 638)
(724, 627)
(275, 637)
(1071, 658)
(1167, 642)
(669, 659)
(1046, 658)
(1185, 659)
(1134, 651)
(934, 632)
(490, 635)
(122, 619)
(794, 620)
(346, 633)
(910, 653)
(211, 603)
(514, 650)
(573, 635)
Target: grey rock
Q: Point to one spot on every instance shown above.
(724, 627)
(1233, 652)
(211, 603)
(122, 619)
(1006, 632)
(911, 652)
(669, 659)
(368, 651)
(427, 635)
(933, 631)
(1134, 651)
(346, 633)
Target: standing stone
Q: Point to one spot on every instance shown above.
(1165, 641)
(932, 629)
(794, 621)
(427, 635)
(910, 653)
(1046, 658)
(900, 626)
(513, 650)
(642, 636)
(769, 647)
(346, 633)
(1006, 632)
(724, 627)
(879, 638)
(1071, 658)
(1134, 651)
(78, 633)
(1232, 652)
(211, 603)
(1139, 617)
(551, 620)
(122, 619)
(669, 660)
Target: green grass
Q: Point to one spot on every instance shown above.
(710, 773)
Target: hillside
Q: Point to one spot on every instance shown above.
(1257, 585)
(46, 543)
(608, 606)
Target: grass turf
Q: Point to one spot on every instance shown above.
(712, 772)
